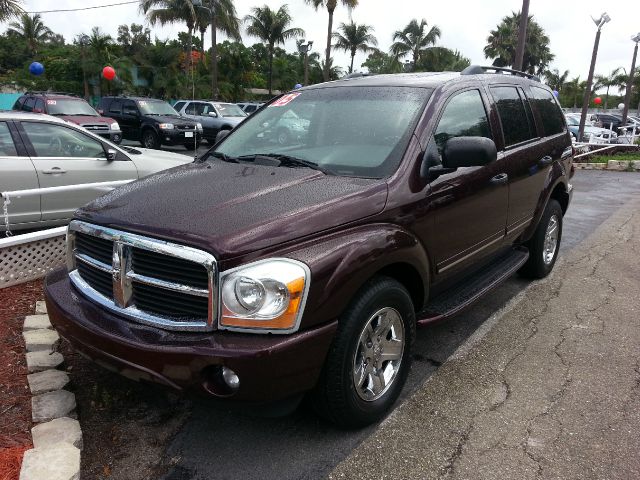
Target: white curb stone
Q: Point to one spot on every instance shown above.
(39, 340)
(36, 322)
(41, 307)
(52, 405)
(62, 429)
(39, 361)
(47, 381)
(61, 462)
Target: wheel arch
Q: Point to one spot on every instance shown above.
(556, 188)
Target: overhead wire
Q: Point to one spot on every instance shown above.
(85, 8)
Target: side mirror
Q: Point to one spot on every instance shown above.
(213, 114)
(111, 154)
(468, 152)
(222, 134)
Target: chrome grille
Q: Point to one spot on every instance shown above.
(100, 127)
(185, 127)
(147, 280)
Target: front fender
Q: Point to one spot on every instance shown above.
(341, 263)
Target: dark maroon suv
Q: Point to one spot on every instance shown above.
(268, 270)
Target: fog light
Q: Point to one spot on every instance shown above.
(230, 378)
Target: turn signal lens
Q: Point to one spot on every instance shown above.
(266, 296)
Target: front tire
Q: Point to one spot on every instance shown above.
(150, 139)
(369, 359)
(545, 243)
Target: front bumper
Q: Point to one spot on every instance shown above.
(270, 367)
(178, 137)
(114, 136)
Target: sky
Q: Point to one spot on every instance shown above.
(465, 25)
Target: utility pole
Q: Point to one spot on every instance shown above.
(84, 40)
(214, 53)
(604, 18)
(522, 36)
(627, 97)
(304, 49)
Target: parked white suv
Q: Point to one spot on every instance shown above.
(38, 151)
(214, 116)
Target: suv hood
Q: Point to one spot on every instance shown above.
(233, 209)
(175, 119)
(86, 119)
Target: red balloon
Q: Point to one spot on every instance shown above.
(109, 73)
(597, 100)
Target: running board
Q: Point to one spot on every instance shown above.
(463, 294)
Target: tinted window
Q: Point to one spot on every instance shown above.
(464, 116)
(50, 140)
(515, 124)
(116, 106)
(7, 148)
(549, 111)
(39, 106)
(193, 109)
(28, 104)
(178, 106)
(18, 104)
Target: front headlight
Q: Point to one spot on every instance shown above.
(199, 126)
(115, 126)
(166, 126)
(268, 296)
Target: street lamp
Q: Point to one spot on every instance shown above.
(304, 49)
(84, 40)
(604, 18)
(627, 97)
(214, 49)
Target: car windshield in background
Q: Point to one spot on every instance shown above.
(70, 107)
(230, 110)
(156, 108)
(572, 121)
(348, 131)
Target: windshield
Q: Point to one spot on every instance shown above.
(348, 131)
(64, 106)
(156, 108)
(229, 110)
(572, 121)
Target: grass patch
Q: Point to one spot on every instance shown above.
(622, 156)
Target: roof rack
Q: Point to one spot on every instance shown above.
(480, 69)
(42, 92)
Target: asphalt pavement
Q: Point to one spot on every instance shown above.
(218, 443)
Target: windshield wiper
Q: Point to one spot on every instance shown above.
(290, 161)
(222, 156)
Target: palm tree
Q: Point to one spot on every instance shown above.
(330, 5)
(335, 72)
(172, 11)
(556, 80)
(608, 81)
(221, 15)
(271, 27)
(574, 86)
(414, 39)
(355, 38)
(31, 30)
(9, 9)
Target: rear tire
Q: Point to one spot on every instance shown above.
(545, 243)
(369, 359)
(150, 139)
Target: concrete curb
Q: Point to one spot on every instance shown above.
(57, 437)
(614, 165)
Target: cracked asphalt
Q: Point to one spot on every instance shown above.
(550, 390)
(519, 386)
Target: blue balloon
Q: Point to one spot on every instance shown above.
(297, 86)
(556, 93)
(36, 68)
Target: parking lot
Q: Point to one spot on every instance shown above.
(194, 438)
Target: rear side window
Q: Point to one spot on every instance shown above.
(178, 106)
(39, 106)
(28, 104)
(545, 103)
(115, 107)
(7, 147)
(464, 116)
(514, 119)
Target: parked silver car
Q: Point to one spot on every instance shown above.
(214, 116)
(38, 151)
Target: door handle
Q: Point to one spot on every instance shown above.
(545, 161)
(500, 179)
(54, 170)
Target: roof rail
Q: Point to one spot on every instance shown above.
(480, 69)
(42, 92)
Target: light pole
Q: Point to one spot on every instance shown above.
(627, 97)
(522, 36)
(84, 41)
(304, 49)
(604, 18)
(214, 49)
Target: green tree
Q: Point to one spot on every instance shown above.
(354, 38)
(502, 42)
(272, 27)
(414, 40)
(442, 59)
(31, 30)
(10, 9)
(330, 5)
(380, 62)
(555, 79)
(608, 81)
